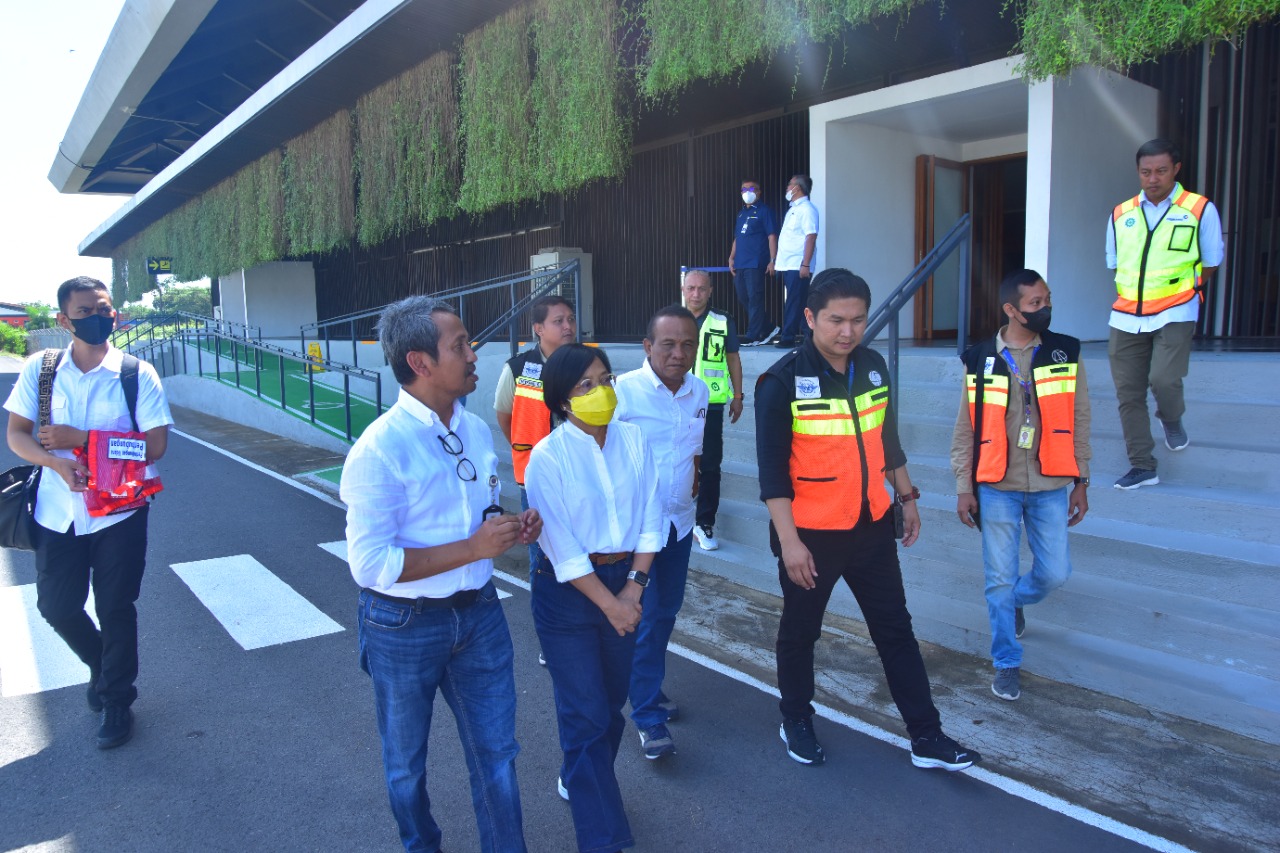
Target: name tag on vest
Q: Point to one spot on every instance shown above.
(532, 369)
(130, 449)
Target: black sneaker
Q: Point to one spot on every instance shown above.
(672, 709)
(1136, 478)
(785, 343)
(802, 743)
(116, 728)
(657, 742)
(941, 751)
(1019, 623)
(1175, 435)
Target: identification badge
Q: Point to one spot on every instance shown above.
(1026, 434)
(129, 449)
(532, 369)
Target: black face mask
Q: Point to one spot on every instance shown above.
(1038, 321)
(93, 330)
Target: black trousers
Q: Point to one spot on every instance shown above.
(112, 559)
(867, 559)
(712, 455)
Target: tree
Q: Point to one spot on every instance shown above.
(193, 300)
(39, 316)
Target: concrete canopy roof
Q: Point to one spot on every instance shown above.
(370, 44)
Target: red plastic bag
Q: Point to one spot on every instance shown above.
(120, 480)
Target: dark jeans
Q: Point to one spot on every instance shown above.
(867, 559)
(113, 559)
(749, 285)
(793, 309)
(712, 456)
(590, 668)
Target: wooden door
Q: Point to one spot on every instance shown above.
(942, 196)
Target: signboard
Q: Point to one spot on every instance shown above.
(160, 266)
(315, 352)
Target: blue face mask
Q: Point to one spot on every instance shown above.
(93, 330)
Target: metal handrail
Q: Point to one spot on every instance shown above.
(554, 276)
(249, 332)
(959, 238)
(197, 337)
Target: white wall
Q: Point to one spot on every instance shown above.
(280, 297)
(231, 297)
(1082, 135)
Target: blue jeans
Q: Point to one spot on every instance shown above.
(1003, 514)
(409, 651)
(793, 325)
(590, 668)
(662, 600)
(749, 285)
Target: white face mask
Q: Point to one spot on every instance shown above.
(748, 198)
(790, 193)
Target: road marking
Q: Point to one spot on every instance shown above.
(256, 607)
(33, 658)
(339, 550)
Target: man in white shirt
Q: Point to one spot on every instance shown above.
(1162, 272)
(797, 242)
(669, 404)
(88, 395)
(423, 527)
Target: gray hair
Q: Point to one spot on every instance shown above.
(407, 326)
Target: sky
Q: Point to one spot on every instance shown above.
(48, 50)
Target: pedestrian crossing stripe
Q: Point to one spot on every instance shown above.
(255, 607)
(33, 658)
(339, 550)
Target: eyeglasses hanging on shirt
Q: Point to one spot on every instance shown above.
(453, 446)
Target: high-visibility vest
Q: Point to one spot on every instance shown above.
(837, 438)
(1157, 268)
(1053, 392)
(530, 418)
(712, 364)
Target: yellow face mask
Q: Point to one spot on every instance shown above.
(596, 406)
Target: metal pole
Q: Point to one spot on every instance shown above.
(511, 324)
(377, 391)
(284, 406)
(346, 394)
(962, 327)
(235, 359)
(577, 301)
(257, 371)
(311, 391)
(355, 345)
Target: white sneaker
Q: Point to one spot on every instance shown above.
(769, 337)
(704, 536)
(561, 789)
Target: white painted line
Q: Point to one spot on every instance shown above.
(339, 550)
(33, 658)
(256, 607)
(302, 487)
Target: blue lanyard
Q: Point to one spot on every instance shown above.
(1013, 367)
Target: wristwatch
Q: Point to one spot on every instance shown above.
(1082, 481)
(902, 499)
(639, 577)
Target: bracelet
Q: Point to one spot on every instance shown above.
(804, 265)
(902, 499)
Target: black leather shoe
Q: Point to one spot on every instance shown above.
(116, 728)
(91, 694)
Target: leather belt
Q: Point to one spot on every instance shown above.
(609, 559)
(461, 598)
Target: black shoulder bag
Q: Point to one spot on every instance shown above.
(18, 486)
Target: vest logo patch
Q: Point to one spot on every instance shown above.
(875, 378)
(990, 367)
(1130, 222)
(532, 369)
(1059, 357)
(1180, 218)
(808, 388)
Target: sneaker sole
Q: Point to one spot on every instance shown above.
(1005, 696)
(1176, 449)
(1154, 481)
(938, 764)
(114, 742)
(782, 733)
(653, 753)
(562, 790)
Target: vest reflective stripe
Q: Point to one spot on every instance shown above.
(993, 453)
(712, 361)
(1056, 399)
(826, 463)
(1157, 268)
(530, 420)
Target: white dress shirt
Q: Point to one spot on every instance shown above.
(801, 221)
(88, 401)
(593, 500)
(1211, 254)
(402, 490)
(673, 424)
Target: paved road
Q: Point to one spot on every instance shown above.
(275, 747)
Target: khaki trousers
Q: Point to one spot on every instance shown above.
(1158, 360)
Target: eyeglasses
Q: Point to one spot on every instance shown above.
(588, 384)
(750, 189)
(453, 446)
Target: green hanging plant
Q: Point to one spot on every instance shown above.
(319, 194)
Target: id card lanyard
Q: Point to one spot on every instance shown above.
(1027, 432)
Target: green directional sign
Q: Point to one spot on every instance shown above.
(159, 266)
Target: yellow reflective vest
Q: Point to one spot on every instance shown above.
(1157, 268)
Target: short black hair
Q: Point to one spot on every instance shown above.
(1156, 147)
(76, 285)
(1011, 287)
(669, 311)
(563, 371)
(836, 283)
(542, 306)
(805, 182)
(745, 181)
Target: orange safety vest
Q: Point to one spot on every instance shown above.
(530, 419)
(1053, 391)
(1157, 268)
(838, 437)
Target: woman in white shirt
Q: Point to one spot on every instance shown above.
(596, 487)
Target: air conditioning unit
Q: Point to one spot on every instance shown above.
(585, 308)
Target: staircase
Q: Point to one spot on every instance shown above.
(1175, 598)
